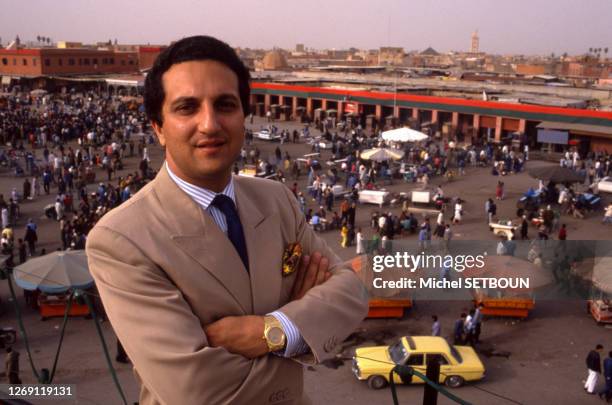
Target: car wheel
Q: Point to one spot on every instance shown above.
(454, 381)
(376, 382)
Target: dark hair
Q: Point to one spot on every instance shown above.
(194, 48)
(434, 317)
(599, 347)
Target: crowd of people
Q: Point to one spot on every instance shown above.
(421, 162)
(466, 329)
(108, 130)
(62, 145)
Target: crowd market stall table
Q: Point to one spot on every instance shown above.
(504, 228)
(53, 275)
(379, 197)
(424, 202)
(380, 307)
(509, 302)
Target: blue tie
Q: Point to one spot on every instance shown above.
(234, 227)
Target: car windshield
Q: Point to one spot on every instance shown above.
(397, 352)
(456, 354)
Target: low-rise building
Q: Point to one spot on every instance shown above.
(74, 60)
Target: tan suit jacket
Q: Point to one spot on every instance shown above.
(164, 269)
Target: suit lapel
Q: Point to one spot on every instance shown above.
(195, 232)
(263, 239)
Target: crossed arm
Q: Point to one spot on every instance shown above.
(243, 335)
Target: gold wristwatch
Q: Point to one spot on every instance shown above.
(274, 335)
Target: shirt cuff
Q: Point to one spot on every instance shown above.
(295, 343)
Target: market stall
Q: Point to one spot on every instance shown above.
(508, 302)
(393, 306)
(51, 306)
(54, 275)
(505, 228)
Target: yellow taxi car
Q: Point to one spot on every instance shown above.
(458, 364)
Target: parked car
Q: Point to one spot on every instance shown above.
(605, 185)
(267, 135)
(458, 364)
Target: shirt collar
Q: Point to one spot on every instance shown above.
(202, 196)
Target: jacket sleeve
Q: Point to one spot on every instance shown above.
(328, 313)
(159, 331)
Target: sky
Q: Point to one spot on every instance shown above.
(527, 27)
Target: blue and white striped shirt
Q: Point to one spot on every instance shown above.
(204, 197)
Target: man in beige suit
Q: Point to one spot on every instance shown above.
(190, 269)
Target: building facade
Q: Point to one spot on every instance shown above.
(75, 61)
(471, 121)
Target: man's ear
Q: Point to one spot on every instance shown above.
(159, 132)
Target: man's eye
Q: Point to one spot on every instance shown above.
(185, 108)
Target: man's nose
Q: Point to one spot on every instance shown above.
(208, 120)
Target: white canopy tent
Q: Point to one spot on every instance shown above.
(404, 135)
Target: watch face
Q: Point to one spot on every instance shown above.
(275, 335)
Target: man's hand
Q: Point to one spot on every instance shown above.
(241, 335)
(313, 270)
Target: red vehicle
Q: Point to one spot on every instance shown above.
(600, 309)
